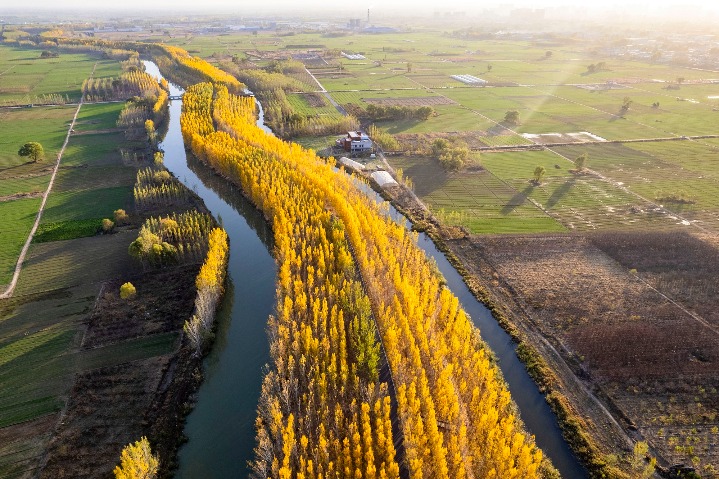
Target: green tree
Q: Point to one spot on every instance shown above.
(365, 348)
(454, 158)
(439, 146)
(626, 103)
(137, 461)
(581, 161)
(511, 118)
(32, 149)
(149, 247)
(424, 112)
(539, 172)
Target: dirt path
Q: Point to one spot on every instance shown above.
(16, 274)
(324, 91)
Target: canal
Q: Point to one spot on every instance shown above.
(220, 429)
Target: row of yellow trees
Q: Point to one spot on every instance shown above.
(156, 187)
(127, 85)
(210, 284)
(173, 238)
(182, 68)
(322, 412)
(456, 414)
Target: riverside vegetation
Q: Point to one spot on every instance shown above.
(456, 415)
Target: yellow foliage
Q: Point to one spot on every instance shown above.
(455, 411)
(137, 462)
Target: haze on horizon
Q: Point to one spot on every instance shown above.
(650, 7)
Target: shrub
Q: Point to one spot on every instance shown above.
(162, 176)
(581, 161)
(454, 158)
(107, 225)
(384, 139)
(127, 291)
(121, 218)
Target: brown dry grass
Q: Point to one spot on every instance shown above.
(655, 365)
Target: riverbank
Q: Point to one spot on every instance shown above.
(594, 433)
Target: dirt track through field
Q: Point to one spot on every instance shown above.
(16, 274)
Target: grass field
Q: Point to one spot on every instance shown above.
(23, 181)
(544, 90)
(18, 217)
(43, 325)
(26, 77)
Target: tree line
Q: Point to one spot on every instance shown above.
(456, 414)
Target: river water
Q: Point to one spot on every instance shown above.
(220, 429)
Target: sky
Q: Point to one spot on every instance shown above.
(248, 6)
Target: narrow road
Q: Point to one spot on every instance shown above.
(16, 274)
(324, 91)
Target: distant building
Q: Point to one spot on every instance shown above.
(353, 56)
(469, 79)
(374, 29)
(355, 142)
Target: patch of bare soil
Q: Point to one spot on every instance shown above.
(316, 100)
(112, 406)
(684, 266)
(22, 446)
(628, 337)
(21, 196)
(106, 411)
(160, 296)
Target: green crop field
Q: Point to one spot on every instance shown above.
(26, 77)
(17, 217)
(69, 263)
(46, 125)
(554, 94)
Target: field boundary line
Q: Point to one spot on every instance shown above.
(18, 267)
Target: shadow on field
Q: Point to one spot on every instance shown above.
(17, 166)
(428, 177)
(517, 200)
(559, 193)
(400, 125)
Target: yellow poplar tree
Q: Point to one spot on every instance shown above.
(137, 461)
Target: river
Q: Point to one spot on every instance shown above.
(220, 430)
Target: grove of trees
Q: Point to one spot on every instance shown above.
(346, 269)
